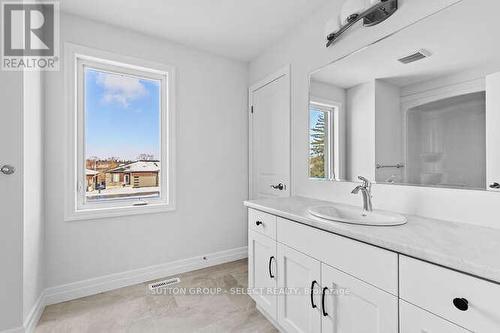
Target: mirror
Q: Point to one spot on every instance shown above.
(421, 107)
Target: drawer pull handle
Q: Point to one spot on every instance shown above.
(258, 223)
(271, 275)
(461, 303)
(312, 294)
(323, 302)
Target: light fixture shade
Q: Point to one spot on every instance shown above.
(351, 7)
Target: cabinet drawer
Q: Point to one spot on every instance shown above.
(436, 289)
(261, 222)
(415, 320)
(368, 263)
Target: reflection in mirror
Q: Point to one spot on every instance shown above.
(325, 132)
(323, 135)
(419, 107)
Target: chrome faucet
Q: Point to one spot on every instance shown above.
(366, 191)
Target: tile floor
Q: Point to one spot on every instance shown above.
(136, 309)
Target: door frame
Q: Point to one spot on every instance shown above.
(283, 71)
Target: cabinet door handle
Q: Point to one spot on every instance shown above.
(323, 302)
(312, 294)
(258, 223)
(270, 269)
(461, 303)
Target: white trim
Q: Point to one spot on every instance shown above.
(19, 329)
(33, 317)
(97, 285)
(73, 53)
(100, 284)
(283, 71)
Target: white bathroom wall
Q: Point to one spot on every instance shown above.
(303, 48)
(212, 150)
(388, 130)
(327, 92)
(360, 111)
(33, 202)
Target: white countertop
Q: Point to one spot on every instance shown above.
(463, 247)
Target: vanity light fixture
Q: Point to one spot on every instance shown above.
(371, 16)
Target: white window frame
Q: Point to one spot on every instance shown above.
(76, 208)
(332, 142)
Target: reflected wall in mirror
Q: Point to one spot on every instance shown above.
(420, 107)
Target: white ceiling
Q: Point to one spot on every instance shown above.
(460, 38)
(238, 29)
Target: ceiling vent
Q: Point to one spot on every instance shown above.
(419, 55)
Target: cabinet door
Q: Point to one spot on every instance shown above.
(416, 320)
(262, 271)
(298, 278)
(354, 306)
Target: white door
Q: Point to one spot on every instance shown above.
(262, 271)
(270, 138)
(11, 223)
(354, 306)
(416, 320)
(299, 276)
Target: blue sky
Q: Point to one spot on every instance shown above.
(121, 115)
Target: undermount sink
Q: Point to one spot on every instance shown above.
(356, 215)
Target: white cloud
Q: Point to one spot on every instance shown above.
(120, 89)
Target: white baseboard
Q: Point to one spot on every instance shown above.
(19, 329)
(97, 285)
(33, 317)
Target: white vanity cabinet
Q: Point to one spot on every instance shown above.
(299, 276)
(326, 283)
(460, 298)
(308, 269)
(416, 320)
(262, 271)
(354, 306)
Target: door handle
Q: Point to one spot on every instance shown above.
(280, 187)
(7, 169)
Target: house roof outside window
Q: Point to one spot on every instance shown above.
(139, 166)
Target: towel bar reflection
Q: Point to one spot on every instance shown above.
(398, 166)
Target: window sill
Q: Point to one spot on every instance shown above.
(109, 212)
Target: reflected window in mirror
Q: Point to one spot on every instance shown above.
(323, 118)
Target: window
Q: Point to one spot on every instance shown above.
(122, 113)
(323, 141)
